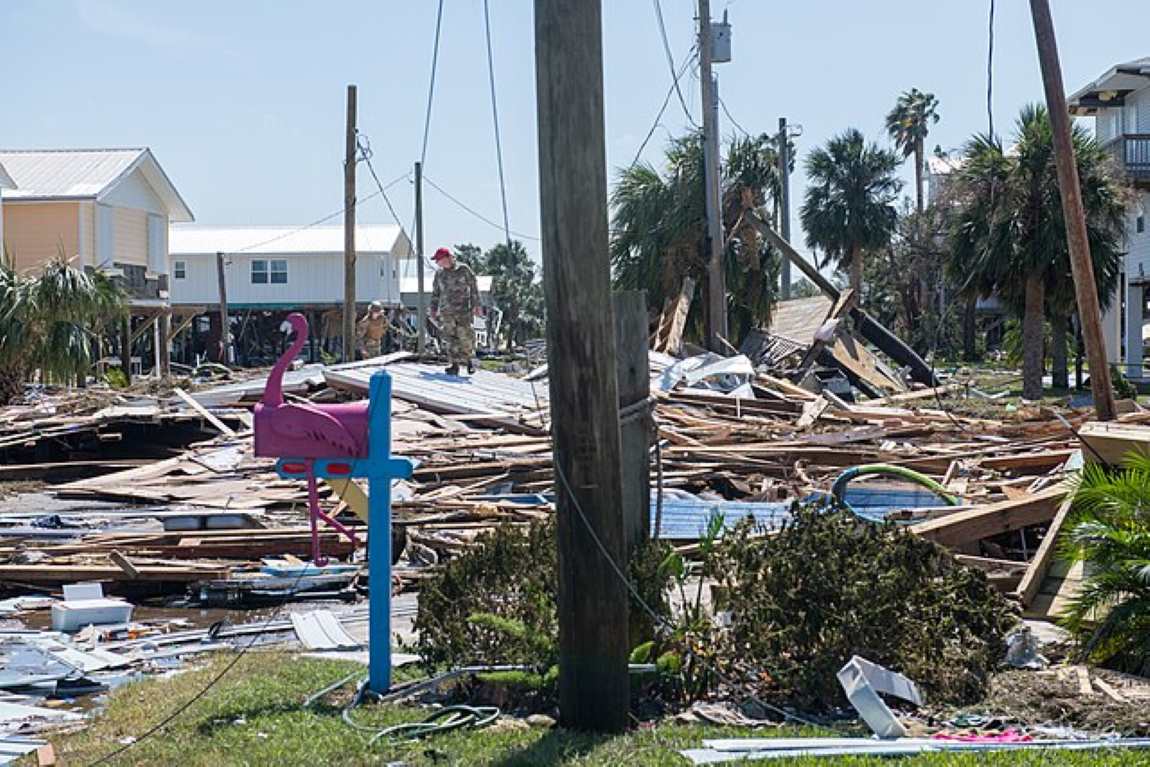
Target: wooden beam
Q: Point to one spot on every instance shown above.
(52, 573)
(1040, 563)
(634, 381)
(969, 526)
(203, 411)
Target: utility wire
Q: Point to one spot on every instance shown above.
(364, 145)
(495, 120)
(464, 206)
(731, 117)
(671, 62)
(431, 84)
(990, 70)
(318, 221)
(667, 100)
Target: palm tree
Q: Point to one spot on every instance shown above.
(659, 227)
(908, 125)
(1009, 236)
(849, 206)
(47, 323)
(1110, 533)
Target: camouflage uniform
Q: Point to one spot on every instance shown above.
(371, 332)
(455, 295)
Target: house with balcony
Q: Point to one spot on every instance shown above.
(1119, 102)
(105, 209)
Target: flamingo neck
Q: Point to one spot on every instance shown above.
(273, 391)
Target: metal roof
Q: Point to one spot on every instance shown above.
(6, 181)
(1110, 89)
(280, 240)
(87, 173)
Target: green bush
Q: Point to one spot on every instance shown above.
(830, 586)
(1110, 533)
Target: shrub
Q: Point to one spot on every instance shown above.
(1110, 532)
(829, 586)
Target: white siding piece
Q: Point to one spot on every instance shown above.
(157, 244)
(1138, 243)
(1141, 101)
(130, 238)
(134, 192)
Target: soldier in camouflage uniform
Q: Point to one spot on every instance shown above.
(454, 300)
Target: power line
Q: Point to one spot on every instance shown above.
(474, 212)
(495, 120)
(671, 62)
(667, 100)
(364, 145)
(731, 117)
(318, 221)
(431, 85)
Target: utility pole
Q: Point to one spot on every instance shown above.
(225, 329)
(421, 314)
(594, 689)
(785, 201)
(349, 230)
(1081, 267)
(716, 290)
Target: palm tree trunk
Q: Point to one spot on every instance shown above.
(856, 271)
(918, 197)
(1060, 365)
(1033, 354)
(970, 329)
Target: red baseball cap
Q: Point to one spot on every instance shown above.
(441, 253)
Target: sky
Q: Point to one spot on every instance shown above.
(242, 101)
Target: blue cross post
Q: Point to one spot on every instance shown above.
(380, 468)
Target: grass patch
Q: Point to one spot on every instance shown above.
(253, 717)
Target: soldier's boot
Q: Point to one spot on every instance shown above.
(452, 369)
(471, 367)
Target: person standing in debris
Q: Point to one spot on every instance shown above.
(371, 331)
(454, 301)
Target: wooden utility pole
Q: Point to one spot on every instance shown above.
(593, 630)
(349, 230)
(421, 313)
(126, 347)
(225, 329)
(716, 289)
(164, 342)
(1082, 268)
(785, 201)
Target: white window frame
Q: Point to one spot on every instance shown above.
(179, 270)
(261, 272)
(277, 267)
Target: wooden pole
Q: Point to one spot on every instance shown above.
(225, 329)
(164, 340)
(716, 290)
(126, 347)
(593, 628)
(1081, 267)
(785, 202)
(349, 229)
(634, 381)
(421, 313)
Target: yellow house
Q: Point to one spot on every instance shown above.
(105, 209)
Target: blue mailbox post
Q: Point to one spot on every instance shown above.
(379, 468)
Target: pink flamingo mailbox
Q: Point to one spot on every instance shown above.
(339, 441)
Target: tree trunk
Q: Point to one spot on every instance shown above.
(970, 329)
(918, 197)
(1060, 364)
(856, 272)
(1033, 355)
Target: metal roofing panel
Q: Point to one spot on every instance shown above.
(65, 172)
(279, 240)
(6, 181)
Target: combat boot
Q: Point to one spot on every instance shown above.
(452, 369)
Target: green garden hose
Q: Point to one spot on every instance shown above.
(839, 488)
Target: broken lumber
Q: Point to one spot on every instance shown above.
(964, 527)
(1040, 563)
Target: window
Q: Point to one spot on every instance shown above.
(279, 271)
(179, 269)
(1140, 224)
(259, 272)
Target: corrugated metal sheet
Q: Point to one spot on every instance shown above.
(485, 396)
(65, 172)
(6, 181)
(279, 240)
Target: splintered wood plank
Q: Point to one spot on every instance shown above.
(974, 525)
(1040, 563)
